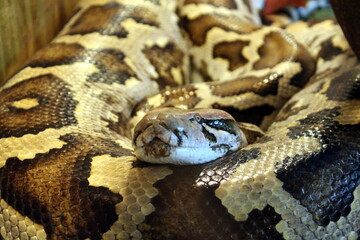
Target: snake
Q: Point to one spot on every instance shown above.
(68, 167)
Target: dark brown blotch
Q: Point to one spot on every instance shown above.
(57, 54)
(198, 28)
(288, 50)
(164, 59)
(233, 52)
(119, 126)
(275, 49)
(112, 66)
(55, 107)
(222, 3)
(328, 50)
(264, 139)
(289, 110)
(110, 62)
(313, 124)
(107, 19)
(345, 87)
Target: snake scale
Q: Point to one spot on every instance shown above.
(67, 165)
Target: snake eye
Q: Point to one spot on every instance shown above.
(198, 118)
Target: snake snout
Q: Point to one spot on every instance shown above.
(156, 130)
(164, 133)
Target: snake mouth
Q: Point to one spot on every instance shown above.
(157, 148)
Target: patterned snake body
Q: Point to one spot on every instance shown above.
(67, 168)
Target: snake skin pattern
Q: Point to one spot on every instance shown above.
(67, 170)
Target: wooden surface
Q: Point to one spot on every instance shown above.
(27, 25)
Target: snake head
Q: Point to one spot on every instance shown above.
(177, 136)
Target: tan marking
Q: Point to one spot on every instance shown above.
(339, 41)
(156, 100)
(135, 185)
(177, 74)
(96, 98)
(82, 70)
(27, 146)
(26, 103)
(25, 226)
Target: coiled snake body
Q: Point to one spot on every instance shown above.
(67, 167)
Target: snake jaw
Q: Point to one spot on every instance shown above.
(158, 148)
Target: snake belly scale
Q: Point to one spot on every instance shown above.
(67, 167)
